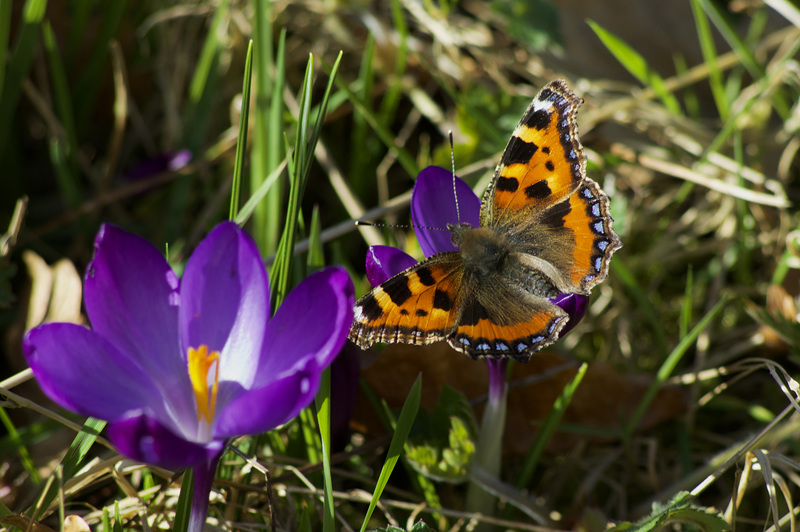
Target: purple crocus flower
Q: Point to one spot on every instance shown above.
(179, 367)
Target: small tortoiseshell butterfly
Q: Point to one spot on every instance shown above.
(544, 230)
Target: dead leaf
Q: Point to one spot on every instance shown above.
(24, 523)
(75, 523)
(604, 398)
(55, 291)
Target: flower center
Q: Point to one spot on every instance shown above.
(200, 362)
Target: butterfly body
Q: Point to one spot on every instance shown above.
(544, 230)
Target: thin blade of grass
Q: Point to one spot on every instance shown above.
(24, 455)
(202, 90)
(548, 428)
(323, 403)
(686, 309)
(183, 509)
(636, 65)
(5, 38)
(299, 167)
(316, 257)
(401, 431)
(669, 364)
(88, 86)
(643, 303)
(708, 49)
(75, 454)
(391, 99)
(386, 136)
(268, 124)
(20, 64)
(258, 195)
(241, 141)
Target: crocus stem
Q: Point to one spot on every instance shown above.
(203, 476)
(490, 439)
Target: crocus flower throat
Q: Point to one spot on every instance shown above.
(200, 362)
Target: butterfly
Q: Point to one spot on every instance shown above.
(544, 230)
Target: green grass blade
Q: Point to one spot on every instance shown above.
(715, 79)
(636, 65)
(686, 309)
(401, 431)
(323, 403)
(259, 194)
(275, 150)
(91, 81)
(392, 97)
(643, 303)
(548, 428)
(24, 455)
(241, 141)
(316, 257)
(404, 157)
(268, 125)
(77, 452)
(728, 33)
(183, 510)
(202, 91)
(5, 37)
(19, 65)
(299, 167)
(668, 366)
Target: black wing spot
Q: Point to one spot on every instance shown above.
(538, 190)
(538, 120)
(518, 151)
(426, 277)
(442, 301)
(397, 290)
(507, 184)
(549, 165)
(370, 308)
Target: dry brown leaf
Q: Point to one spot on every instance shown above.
(55, 291)
(603, 399)
(24, 523)
(74, 523)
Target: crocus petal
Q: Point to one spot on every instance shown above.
(225, 301)
(144, 439)
(85, 373)
(261, 409)
(575, 305)
(312, 322)
(384, 262)
(433, 207)
(131, 297)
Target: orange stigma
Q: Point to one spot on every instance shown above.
(200, 362)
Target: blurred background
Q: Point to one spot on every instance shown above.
(128, 112)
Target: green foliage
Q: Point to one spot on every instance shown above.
(678, 510)
(533, 22)
(419, 526)
(443, 443)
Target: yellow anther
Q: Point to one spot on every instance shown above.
(200, 362)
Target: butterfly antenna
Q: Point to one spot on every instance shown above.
(453, 168)
(397, 226)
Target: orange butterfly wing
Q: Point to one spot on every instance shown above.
(417, 306)
(541, 193)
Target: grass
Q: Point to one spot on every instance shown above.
(687, 409)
